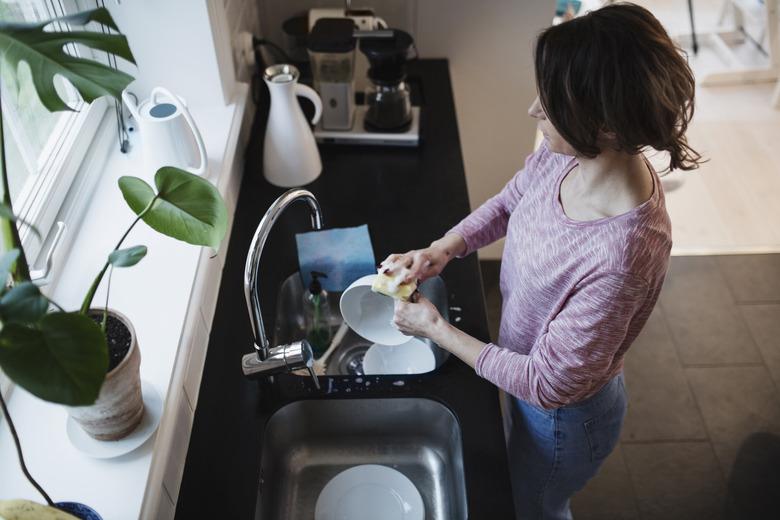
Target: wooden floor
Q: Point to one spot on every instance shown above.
(732, 203)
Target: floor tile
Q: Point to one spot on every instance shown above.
(660, 403)
(676, 480)
(764, 324)
(735, 402)
(752, 278)
(703, 319)
(609, 494)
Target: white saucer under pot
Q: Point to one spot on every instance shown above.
(153, 407)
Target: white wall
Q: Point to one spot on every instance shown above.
(177, 45)
(489, 44)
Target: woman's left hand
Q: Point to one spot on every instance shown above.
(416, 318)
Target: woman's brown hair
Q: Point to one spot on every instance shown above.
(615, 71)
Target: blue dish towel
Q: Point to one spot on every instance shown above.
(344, 254)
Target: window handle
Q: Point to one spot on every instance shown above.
(40, 277)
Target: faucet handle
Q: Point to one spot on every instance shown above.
(284, 358)
(297, 355)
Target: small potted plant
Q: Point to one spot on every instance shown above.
(186, 207)
(87, 359)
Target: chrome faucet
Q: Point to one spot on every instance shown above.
(283, 358)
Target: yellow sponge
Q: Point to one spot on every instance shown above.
(391, 286)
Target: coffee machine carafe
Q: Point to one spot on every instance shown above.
(388, 102)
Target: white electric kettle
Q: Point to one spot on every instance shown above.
(169, 136)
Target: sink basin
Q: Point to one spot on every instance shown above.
(307, 443)
(347, 359)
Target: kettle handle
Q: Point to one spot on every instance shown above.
(310, 94)
(179, 102)
(131, 104)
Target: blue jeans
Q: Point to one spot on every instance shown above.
(553, 453)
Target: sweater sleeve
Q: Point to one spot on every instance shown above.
(569, 362)
(488, 222)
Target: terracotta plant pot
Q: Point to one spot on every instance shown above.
(120, 406)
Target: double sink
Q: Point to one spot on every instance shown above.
(307, 443)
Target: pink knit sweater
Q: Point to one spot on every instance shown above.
(575, 294)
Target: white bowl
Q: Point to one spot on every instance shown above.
(370, 314)
(412, 357)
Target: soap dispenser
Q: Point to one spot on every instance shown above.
(317, 316)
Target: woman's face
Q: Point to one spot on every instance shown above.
(555, 142)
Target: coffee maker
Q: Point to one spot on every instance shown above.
(386, 116)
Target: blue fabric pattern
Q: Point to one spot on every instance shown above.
(344, 254)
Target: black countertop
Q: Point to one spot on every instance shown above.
(408, 197)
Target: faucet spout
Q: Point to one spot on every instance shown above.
(252, 267)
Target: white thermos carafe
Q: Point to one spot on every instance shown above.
(168, 133)
(290, 154)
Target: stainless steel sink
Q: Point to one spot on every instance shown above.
(347, 359)
(307, 443)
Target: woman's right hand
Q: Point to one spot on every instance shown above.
(422, 264)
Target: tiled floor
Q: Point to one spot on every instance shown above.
(701, 439)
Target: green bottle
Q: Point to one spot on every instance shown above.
(317, 315)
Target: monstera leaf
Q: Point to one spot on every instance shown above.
(44, 52)
(186, 207)
(63, 358)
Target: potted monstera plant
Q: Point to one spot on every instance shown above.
(86, 359)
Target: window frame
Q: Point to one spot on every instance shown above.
(42, 200)
(45, 195)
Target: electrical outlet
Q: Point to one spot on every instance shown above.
(244, 55)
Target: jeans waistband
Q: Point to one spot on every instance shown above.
(591, 406)
(598, 402)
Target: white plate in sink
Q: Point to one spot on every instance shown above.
(369, 491)
(412, 357)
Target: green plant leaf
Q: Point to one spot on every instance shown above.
(44, 52)
(6, 263)
(186, 207)
(24, 303)
(63, 359)
(127, 257)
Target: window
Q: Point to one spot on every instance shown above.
(43, 150)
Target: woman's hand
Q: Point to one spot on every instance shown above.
(417, 317)
(421, 264)
(420, 317)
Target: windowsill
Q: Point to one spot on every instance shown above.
(154, 295)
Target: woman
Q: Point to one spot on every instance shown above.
(587, 247)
